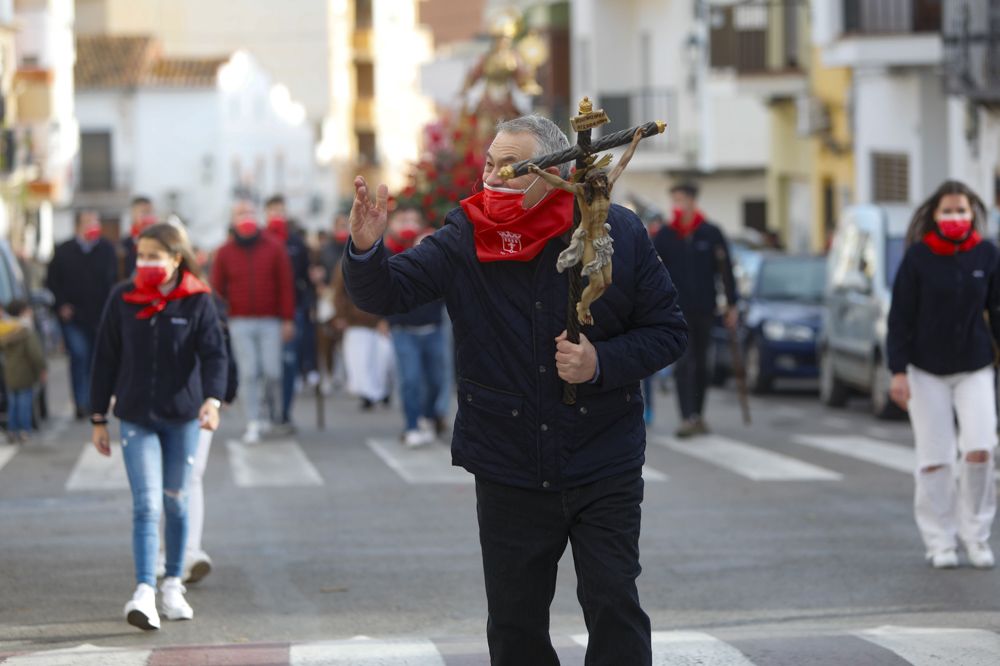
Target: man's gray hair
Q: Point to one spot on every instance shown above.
(548, 137)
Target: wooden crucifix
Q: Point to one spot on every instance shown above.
(590, 246)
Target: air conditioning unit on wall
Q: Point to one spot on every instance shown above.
(812, 116)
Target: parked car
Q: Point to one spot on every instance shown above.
(780, 320)
(867, 249)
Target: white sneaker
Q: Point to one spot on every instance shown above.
(427, 427)
(312, 379)
(252, 435)
(416, 438)
(980, 555)
(197, 565)
(172, 601)
(943, 559)
(140, 611)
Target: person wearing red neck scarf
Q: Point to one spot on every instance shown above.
(142, 216)
(253, 275)
(80, 276)
(547, 474)
(944, 324)
(696, 253)
(160, 353)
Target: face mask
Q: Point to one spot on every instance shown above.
(143, 223)
(278, 227)
(341, 236)
(246, 228)
(503, 204)
(91, 233)
(955, 227)
(150, 274)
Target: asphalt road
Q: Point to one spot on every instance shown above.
(787, 542)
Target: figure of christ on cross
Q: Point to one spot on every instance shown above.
(591, 242)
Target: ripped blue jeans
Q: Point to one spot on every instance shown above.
(158, 460)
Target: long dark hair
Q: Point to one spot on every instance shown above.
(174, 240)
(923, 219)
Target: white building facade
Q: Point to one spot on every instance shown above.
(194, 135)
(644, 60)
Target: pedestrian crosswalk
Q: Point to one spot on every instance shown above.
(877, 646)
(290, 464)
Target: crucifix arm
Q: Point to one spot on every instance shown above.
(552, 179)
(626, 156)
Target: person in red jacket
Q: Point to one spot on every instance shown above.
(253, 275)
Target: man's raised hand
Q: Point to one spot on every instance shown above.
(368, 219)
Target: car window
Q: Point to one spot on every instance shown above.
(845, 255)
(6, 282)
(895, 248)
(792, 279)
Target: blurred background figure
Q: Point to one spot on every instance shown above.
(418, 339)
(253, 275)
(141, 217)
(24, 367)
(81, 274)
(298, 356)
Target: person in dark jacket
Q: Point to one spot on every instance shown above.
(547, 473)
(418, 338)
(141, 217)
(160, 353)
(940, 351)
(696, 253)
(81, 274)
(253, 275)
(299, 354)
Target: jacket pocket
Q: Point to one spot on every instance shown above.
(492, 425)
(601, 417)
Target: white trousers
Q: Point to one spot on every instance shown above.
(957, 500)
(369, 360)
(196, 494)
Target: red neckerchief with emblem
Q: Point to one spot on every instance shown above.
(939, 245)
(155, 301)
(523, 238)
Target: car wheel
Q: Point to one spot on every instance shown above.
(882, 405)
(832, 391)
(757, 381)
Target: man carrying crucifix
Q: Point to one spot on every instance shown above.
(547, 473)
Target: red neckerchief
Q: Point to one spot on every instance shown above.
(156, 302)
(939, 245)
(521, 239)
(682, 231)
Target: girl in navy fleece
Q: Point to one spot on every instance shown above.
(940, 351)
(160, 353)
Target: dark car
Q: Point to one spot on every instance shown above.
(781, 319)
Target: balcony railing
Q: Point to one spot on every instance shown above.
(641, 106)
(886, 17)
(759, 36)
(972, 49)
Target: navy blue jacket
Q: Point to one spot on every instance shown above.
(83, 279)
(160, 369)
(936, 319)
(298, 255)
(694, 265)
(512, 427)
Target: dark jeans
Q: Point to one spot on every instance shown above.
(79, 342)
(297, 356)
(691, 371)
(523, 534)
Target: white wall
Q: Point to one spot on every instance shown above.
(887, 119)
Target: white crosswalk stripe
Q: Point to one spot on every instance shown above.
(883, 454)
(432, 464)
(365, 652)
(938, 647)
(6, 453)
(271, 465)
(96, 472)
(83, 655)
(752, 462)
(687, 648)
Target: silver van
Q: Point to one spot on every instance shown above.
(867, 249)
